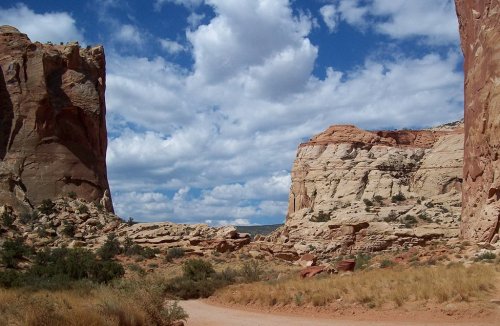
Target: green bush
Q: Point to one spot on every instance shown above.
(391, 217)
(387, 263)
(487, 255)
(7, 219)
(133, 249)
(69, 229)
(409, 221)
(47, 207)
(379, 199)
(321, 217)
(362, 261)
(110, 248)
(367, 202)
(13, 251)
(251, 271)
(72, 195)
(173, 253)
(399, 197)
(82, 209)
(197, 269)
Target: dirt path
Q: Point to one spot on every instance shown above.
(202, 313)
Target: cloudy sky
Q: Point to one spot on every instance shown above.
(208, 99)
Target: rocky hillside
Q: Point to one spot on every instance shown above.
(480, 37)
(52, 122)
(362, 191)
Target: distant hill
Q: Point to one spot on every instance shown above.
(258, 229)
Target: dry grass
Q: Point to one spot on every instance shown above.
(128, 303)
(372, 288)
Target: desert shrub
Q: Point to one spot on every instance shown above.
(110, 248)
(73, 264)
(27, 217)
(47, 207)
(398, 197)
(251, 271)
(367, 202)
(133, 249)
(72, 195)
(100, 207)
(387, 263)
(82, 209)
(424, 217)
(409, 221)
(379, 199)
(13, 250)
(362, 261)
(321, 217)
(197, 269)
(391, 217)
(429, 204)
(7, 219)
(69, 229)
(487, 255)
(173, 253)
(131, 221)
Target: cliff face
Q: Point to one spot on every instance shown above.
(356, 190)
(52, 121)
(480, 38)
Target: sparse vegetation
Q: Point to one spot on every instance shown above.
(47, 207)
(110, 248)
(69, 229)
(367, 202)
(82, 209)
(321, 217)
(7, 219)
(409, 221)
(72, 195)
(398, 197)
(391, 217)
(378, 199)
(371, 288)
(487, 255)
(173, 253)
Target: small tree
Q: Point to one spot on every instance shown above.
(110, 248)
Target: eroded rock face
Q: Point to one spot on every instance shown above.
(52, 121)
(360, 191)
(480, 37)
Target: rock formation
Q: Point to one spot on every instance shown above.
(52, 121)
(361, 191)
(480, 37)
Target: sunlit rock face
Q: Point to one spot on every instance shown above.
(480, 38)
(359, 191)
(52, 121)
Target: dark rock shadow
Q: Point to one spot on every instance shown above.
(6, 116)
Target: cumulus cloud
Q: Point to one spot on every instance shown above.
(53, 26)
(172, 47)
(434, 21)
(128, 34)
(330, 17)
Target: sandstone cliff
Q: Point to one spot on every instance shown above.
(360, 191)
(52, 121)
(480, 37)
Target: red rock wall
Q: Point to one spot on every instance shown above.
(480, 37)
(53, 135)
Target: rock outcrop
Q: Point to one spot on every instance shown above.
(361, 191)
(72, 222)
(480, 37)
(52, 122)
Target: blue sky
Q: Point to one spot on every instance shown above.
(208, 99)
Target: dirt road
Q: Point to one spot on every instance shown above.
(202, 313)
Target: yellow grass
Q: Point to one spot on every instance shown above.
(372, 288)
(126, 303)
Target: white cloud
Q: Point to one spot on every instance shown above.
(54, 26)
(128, 34)
(415, 18)
(330, 17)
(194, 19)
(434, 21)
(172, 47)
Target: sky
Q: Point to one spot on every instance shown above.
(207, 100)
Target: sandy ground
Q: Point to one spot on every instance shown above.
(202, 313)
